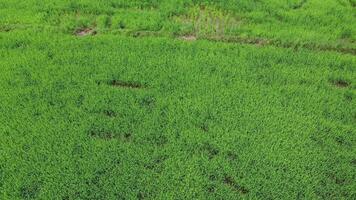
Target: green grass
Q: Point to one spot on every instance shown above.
(313, 24)
(261, 106)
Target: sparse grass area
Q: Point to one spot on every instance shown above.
(318, 25)
(177, 99)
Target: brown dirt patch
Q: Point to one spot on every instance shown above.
(188, 38)
(340, 83)
(85, 32)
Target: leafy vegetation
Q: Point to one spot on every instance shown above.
(177, 99)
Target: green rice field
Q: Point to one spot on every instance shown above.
(177, 99)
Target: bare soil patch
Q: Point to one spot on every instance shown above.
(188, 38)
(340, 83)
(85, 32)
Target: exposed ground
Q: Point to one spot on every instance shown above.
(177, 99)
